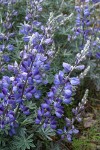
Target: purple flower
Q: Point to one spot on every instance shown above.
(59, 131)
(2, 47)
(67, 67)
(68, 122)
(26, 38)
(75, 131)
(47, 114)
(68, 93)
(95, 1)
(2, 36)
(69, 137)
(86, 12)
(61, 75)
(78, 20)
(11, 116)
(1, 109)
(67, 101)
(25, 29)
(37, 94)
(10, 67)
(38, 120)
(50, 94)
(68, 86)
(10, 47)
(80, 67)
(56, 80)
(15, 89)
(28, 96)
(1, 95)
(12, 131)
(98, 55)
(6, 58)
(39, 8)
(75, 81)
(40, 112)
(25, 110)
(36, 23)
(48, 41)
(44, 105)
(59, 112)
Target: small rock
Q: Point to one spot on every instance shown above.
(89, 121)
(98, 147)
(93, 146)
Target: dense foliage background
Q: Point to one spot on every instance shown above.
(49, 74)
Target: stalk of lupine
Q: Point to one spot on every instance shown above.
(86, 25)
(69, 130)
(33, 8)
(7, 24)
(32, 24)
(60, 94)
(16, 90)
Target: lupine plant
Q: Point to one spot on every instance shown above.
(33, 109)
(88, 24)
(7, 32)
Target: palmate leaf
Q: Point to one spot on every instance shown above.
(55, 146)
(2, 141)
(23, 143)
(46, 133)
(21, 131)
